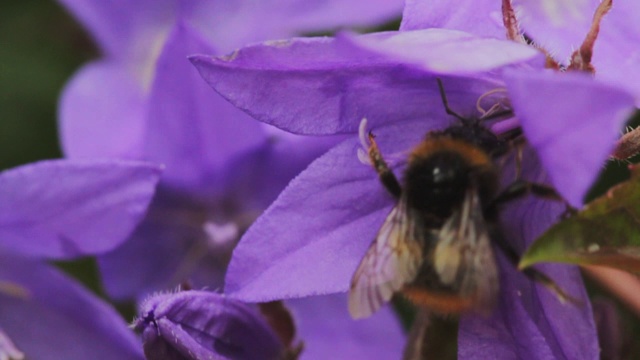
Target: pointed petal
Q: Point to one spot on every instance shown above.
(328, 332)
(102, 113)
(119, 26)
(438, 50)
(63, 209)
(319, 227)
(225, 23)
(483, 18)
(572, 122)
(558, 26)
(616, 54)
(529, 322)
(319, 86)
(56, 318)
(191, 129)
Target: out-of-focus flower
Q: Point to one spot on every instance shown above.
(143, 100)
(58, 210)
(202, 324)
(330, 213)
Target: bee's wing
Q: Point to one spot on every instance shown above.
(463, 257)
(392, 261)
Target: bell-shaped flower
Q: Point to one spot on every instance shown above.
(61, 210)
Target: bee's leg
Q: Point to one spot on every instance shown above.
(517, 190)
(534, 274)
(387, 177)
(520, 188)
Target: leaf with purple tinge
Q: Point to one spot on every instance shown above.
(60, 209)
(50, 316)
(572, 121)
(604, 233)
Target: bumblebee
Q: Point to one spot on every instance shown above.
(435, 246)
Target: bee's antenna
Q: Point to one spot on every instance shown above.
(443, 95)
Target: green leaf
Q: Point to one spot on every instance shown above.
(606, 232)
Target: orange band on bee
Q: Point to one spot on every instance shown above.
(444, 304)
(473, 154)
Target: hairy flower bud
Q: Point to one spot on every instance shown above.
(204, 325)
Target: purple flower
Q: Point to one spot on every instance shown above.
(559, 28)
(204, 325)
(201, 324)
(58, 210)
(143, 100)
(331, 212)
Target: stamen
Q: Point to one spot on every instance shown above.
(495, 107)
(363, 157)
(14, 290)
(363, 152)
(8, 351)
(363, 134)
(221, 234)
(581, 58)
(506, 125)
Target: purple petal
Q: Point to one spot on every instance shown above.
(201, 324)
(320, 226)
(529, 322)
(52, 317)
(121, 26)
(558, 26)
(328, 332)
(63, 209)
(572, 122)
(322, 211)
(306, 16)
(8, 349)
(226, 23)
(190, 129)
(438, 50)
(532, 323)
(316, 86)
(101, 113)
(616, 54)
(482, 17)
